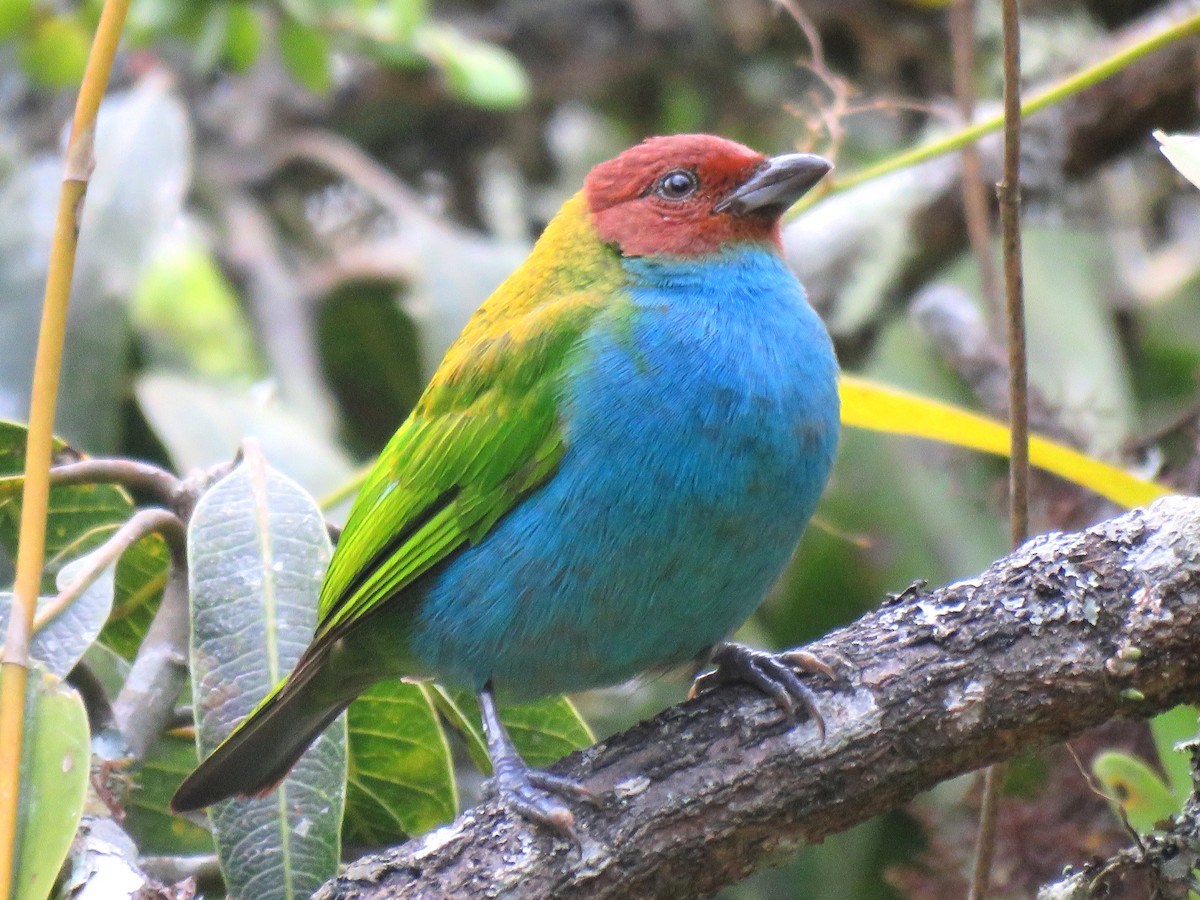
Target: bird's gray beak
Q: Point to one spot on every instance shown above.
(780, 182)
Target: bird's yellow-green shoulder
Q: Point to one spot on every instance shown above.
(485, 432)
(568, 277)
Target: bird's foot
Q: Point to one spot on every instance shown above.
(538, 796)
(535, 795)
(772, 673)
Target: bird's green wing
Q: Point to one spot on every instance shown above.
(484, 434)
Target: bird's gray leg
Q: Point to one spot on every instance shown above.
(772, 673)
(527, 791)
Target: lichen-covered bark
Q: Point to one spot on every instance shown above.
(1065, 633)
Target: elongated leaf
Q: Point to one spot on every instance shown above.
(1135, 788)
(401, 774)
(866, 404)
(543, 731)
(62, 642)
(258, 549)
(55, 761)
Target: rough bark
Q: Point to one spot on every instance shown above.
(1065, 633)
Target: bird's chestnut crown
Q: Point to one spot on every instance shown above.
(693, 194)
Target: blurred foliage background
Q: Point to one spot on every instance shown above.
(298, 203)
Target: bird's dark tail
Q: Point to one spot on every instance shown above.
(269, 741)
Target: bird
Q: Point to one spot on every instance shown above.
(605, 475)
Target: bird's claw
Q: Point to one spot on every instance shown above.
(773, 674)
(536, 796)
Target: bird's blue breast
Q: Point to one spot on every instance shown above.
(701, 426)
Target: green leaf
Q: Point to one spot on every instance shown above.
(56, 53)
(243, 37)
(547, 730)
(201, 425)
(15, 15)
(1170, 728)
(141, 577)
(148, 816)
(55, 760)
(257, 551)
(401, 774)
(543, 731)
(1135, 788)
(305, 53)
(478, 73)
(62, 642)
(188, 316)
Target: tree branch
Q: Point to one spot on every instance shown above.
(159, 672)
(1065, 633)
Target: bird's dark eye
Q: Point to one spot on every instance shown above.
(677, 185)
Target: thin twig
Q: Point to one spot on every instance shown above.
(142, 523)
(144, 705)
(40, 438)
(979, 233)
(129, 473)
(1009, 193)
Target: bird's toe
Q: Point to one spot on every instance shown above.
(773, 674)
(538, 797)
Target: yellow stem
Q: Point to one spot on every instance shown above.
(39, 441)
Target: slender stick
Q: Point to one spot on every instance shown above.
(129, 473)
(1056, 93)
(39, 442)
(1009, 193)
(974, 193)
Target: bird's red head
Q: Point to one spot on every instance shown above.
(692, 194)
